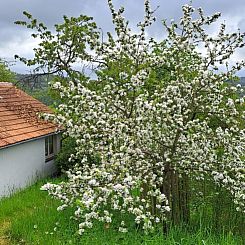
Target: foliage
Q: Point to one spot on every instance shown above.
(59, 52)
(62, 159)
(149, 117)
(5, 74)
(68, 149)
(46, 95)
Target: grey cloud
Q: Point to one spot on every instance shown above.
(241, 25)
(51, 12)
(45, 10)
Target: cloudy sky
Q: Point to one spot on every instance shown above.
(16, 39)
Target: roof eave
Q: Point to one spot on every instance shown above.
(31, 139)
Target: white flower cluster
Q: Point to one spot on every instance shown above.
(156, 108)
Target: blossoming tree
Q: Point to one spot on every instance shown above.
(158, 114)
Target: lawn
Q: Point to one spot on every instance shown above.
(30, 217)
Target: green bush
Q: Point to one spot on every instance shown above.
(62, 159)
(68, 148)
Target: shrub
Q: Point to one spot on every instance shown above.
(62, 159)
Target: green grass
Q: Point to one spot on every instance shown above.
(30, 217)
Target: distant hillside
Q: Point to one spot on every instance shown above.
(36, 82)
(33, 81)
(242, 81)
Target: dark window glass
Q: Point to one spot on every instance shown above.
(49, 148)
(46, 146)
(51, 145)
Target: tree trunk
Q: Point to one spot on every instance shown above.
(176, 189)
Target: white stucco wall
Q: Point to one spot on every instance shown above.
(22, 164)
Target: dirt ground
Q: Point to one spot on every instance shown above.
(4, 226)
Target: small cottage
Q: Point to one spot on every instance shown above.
(27, 144)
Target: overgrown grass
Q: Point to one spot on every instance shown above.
(32, 219)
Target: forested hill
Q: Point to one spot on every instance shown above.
(242, 81)
(33, 81)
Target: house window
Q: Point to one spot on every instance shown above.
(49, 148)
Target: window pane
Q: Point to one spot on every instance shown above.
(51, 145)
(46, 146)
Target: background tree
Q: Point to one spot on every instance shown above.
(5, 74)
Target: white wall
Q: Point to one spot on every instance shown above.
(22, 164)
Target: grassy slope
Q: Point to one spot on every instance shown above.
(30, 217)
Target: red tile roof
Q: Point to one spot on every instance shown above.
(18, 116)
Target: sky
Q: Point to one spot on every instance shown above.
(16, 39)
